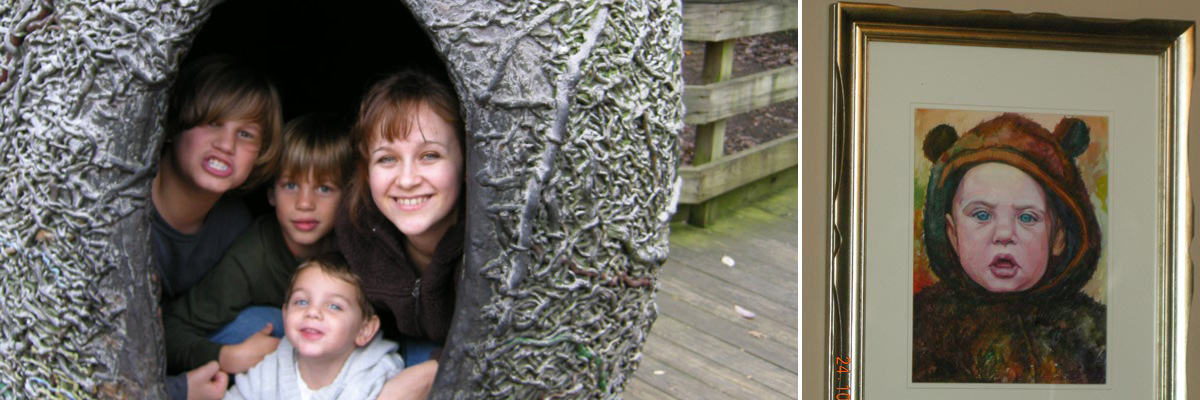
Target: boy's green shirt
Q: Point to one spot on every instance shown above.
(256, 270)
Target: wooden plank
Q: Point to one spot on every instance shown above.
(783, 276)
(784, 229)
(762, 231)
(718, 67)
(773, 280)
(710, 180)
(730, 202)
(784, 203)
(718, 61)
(676, 383)
(639, 389)
(762, 242)
(671, 297)
(705, 284)
(702, 320)
(703, 214)
(776, 266)
(728, 377)
(716, 350)
(743, 196)
(775, 214)
(709, 262)
(712, 1)
(767, 238)
(717, 101)
(708, 22)
(710, 142)
(710, 136)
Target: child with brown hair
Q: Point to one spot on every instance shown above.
(331, 350)
(221, 122)
(232, 315)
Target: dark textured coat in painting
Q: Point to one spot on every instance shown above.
(1049, 332)
(961, 338)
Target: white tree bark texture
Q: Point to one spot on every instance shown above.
(573, 110)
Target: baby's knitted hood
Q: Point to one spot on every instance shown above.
(1047, 157)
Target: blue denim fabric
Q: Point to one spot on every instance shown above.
(177, 386)
(248, 322)
(416, 351)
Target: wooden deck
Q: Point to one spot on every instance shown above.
(700, 347)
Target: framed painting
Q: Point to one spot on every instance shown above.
(1010, 213)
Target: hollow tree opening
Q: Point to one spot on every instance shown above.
(321, 58)
(572, 110)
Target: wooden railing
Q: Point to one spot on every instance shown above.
(714, 180)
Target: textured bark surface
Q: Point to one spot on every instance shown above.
(82, 86)
(573, 111)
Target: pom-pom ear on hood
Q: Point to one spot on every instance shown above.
(938, 140)
(1073, 135)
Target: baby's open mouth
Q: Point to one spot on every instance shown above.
(1004, 266)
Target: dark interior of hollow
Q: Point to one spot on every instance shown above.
(321, 56)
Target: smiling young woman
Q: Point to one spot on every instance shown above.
(402, 230)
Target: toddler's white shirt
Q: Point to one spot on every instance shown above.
(305, 392)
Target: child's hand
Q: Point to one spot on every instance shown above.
(412, 383)
(207, 382)
(239, 358)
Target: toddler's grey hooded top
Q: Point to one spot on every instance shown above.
(362, 377)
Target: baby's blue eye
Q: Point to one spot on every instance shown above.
(1027, 218)
(982, 215)
(301, 302)
(335, 307)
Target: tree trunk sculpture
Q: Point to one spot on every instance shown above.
(573, 110)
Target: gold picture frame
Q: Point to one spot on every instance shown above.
(1135, 76)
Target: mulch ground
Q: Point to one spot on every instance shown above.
(751, 55)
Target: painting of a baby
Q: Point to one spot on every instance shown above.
(1006, 288)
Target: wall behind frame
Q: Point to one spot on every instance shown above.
(815, 36)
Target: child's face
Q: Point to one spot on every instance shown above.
(416, 182)
(306, 210)
(322, 318)
(217, 157)
(1001, 228)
